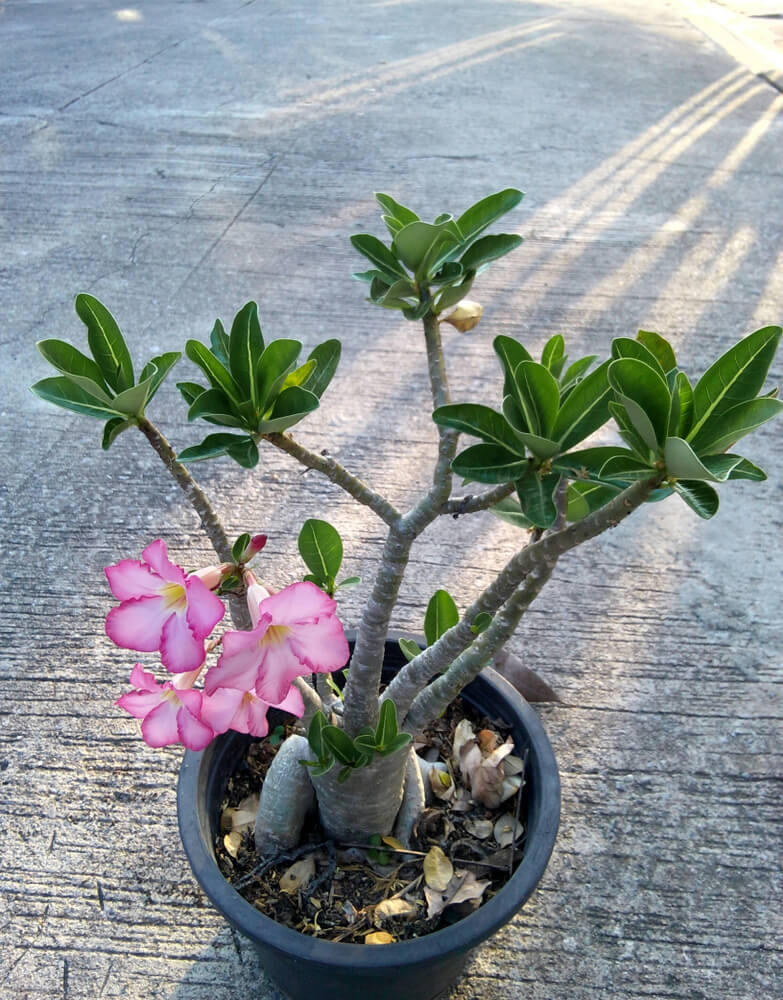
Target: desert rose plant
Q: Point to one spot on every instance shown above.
(352, 752)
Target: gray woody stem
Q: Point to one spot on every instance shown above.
(481, 501)
(539, 556)
(337, 474)
(364, 677)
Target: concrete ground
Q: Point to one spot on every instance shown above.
(178, 158)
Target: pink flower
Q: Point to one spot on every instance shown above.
(161, 608)
(296, 632)
(242, 711)
(169, 715)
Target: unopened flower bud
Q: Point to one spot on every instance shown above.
(466, 315)
(211, 576)
(257, 542)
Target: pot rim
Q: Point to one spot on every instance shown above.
(464, 934)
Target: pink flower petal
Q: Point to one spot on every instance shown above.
(138, 623)
(204, 610)
(253, 718)
(279, 668)
(130, 578)
(180, 650)
(298, 603)
(293, 703)
(254, 596)
(139, 703)
(160, 729)
(192, 731)
(156, 556)
(321, 646)
(142, 680)
(239, 662)
(219, 709)
(192, 700)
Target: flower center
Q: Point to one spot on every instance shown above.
(173, 595)
(275, 635)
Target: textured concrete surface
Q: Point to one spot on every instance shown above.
(178, 158)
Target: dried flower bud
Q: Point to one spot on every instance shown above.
(466, 315)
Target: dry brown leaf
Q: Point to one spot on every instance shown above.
(242, 817)
(232, 842)
(463, 886)
(441, 784)
(393, 843)
(390, 908)
(379, 937)
(438, 870)
(486, 784)
(350, 911)
(481, 828)
(462, 735)
(488, 740)
(507, 830)
(298, 875)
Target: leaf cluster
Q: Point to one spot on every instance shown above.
(430, 266)
(674, 431)
(252, 386)
(441, 615)
(332, 745)
(101, 385)
(321, 548)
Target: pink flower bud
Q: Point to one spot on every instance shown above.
(211, 576)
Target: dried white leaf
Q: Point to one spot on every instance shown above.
(510, 787)
(507, 830)
(391, 908)
(379, 937)
(232, 842)
(462, 734)
(481, 828)
(438, 870)
(298, 875)
(441, 785)
(463, 886)
(500, 753)
(513, 765)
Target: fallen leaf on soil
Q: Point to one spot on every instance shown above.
(507, 830)
(393, 843)
(438, 870)
(379, 937)
(463, 886)
(350, 911)
(390, 908)
(487, 740)
(298, 875)
(242, 817)
(441, 784)
(462, 735)
(513, 765)
(481, 828)
(232, 842)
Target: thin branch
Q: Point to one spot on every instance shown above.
(312, 701)
(328, 467)
(472, 504)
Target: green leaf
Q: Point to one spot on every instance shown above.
(83, 371)
(478, 217)
(326, 357)
(511, 354)
(244, 452)
(321, 767)
(480, 421)
(736, 377)
(574, 373)
(112, 430)
(587, 464)
(340, 744)
(441, 615)
(157, 369)
(725, 467)
(508, 510)
(300, 375)
(349, 581)
(553, 357)
(682, 462)
(132, 401)
(291, 406)
(214, 406)
(369, 276)
(489, 463)
(417, 243)
(387, 724)
(626, 468)
(442, 249)
(699, 496)
(190, 391)
(275, 364)
(542, 448)
(220, 344)
(733, 424)
(481, 622)
(63, 392)
(392, 225)
(315, 735)
(400, 740)
(453, 294)
(683, 390)
(239, 547)
(450, 273)
(321, 548)
(646, 398)
(395, 209)
(584, 498)
(401, 289)
(538, 395)
(585, 409)
(489, 248)
(628, 432)
(409, 648)
(246, 346)
(624, 347)
(212, 446)
(217, 375)
(107, 344)
(379, 254)
(379, 289)
(536, 497)
(659, 347)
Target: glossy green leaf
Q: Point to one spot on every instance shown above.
(369, 276)
(625, 468)
(538, 395)
(624, 347)
(628, 432)
(403, 288)
(275, 364)
(190, 391)
(735, 378)
(509, 510)
(536, 497)
(212, 446)
(327, 357)
(83, 371)
(481, 622)
(397, 211)
(489, 463)
(157, 369)
(409, 648)
(379, 254)
(682, 462)
(291, 406)
(244, 452)
(112, 430)
(349, 581)
(300, 375)
(489, 248)
(731, 425)
(315, 735)
(400, 741)
(699, 496)
(542, 448)
(453, 294)
(442, 249)
(449, 273)
(387, 723)
(643, 392)
(107, 344)
(585, 498)
(379, 289)
(659, 347)
(574, 373)
(393, 225)
(321, 548)
(683, 390)
(441, 615)
(214, 406)
(416, 314)
(217, 375)
(132, 401)
(239, 547)
(246, 345)
(478, 217)
(339, 744)
(584, 410)
(588, 463)
(219, 343)
(511, 354)
(553, 356)
(481, 421)
(416, 240)
(63, 392)
(725, 467)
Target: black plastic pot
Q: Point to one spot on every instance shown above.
(304, 967)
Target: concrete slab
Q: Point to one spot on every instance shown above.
(179, 158)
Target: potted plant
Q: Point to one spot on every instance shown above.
(352, 759)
